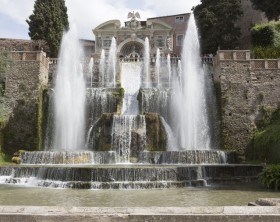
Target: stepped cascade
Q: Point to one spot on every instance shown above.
(142, 121)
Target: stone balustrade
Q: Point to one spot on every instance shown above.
(245, 55)
(53, 61)
(265, 63)
(233, 55)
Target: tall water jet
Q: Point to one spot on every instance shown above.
(111, 72)
(158, 60)
(147, 62)
(90, 69)
(192, 123)
(102, 68)
(169, 69)
(69, 95)
(179, 72)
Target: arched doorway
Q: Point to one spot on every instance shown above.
(132, 50)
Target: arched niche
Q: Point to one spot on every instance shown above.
(131, 48)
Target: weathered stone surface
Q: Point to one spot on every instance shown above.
(24, 85)
(156, 135)
(246, 89)
(268, 202)
(168, 214)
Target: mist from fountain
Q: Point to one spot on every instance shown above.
(102, 64)
(158, 61)
(169, 69)
(192, 125)
(69, 95)
(179, 73)
(147, 63)
(90, 70)
(112, 62)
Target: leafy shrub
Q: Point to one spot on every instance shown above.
(270, 177)
(266, 40)
(266, 52)
(262, 35)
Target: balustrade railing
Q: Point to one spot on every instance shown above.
(245, 55)
(265, 64)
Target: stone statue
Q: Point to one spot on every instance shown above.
(133, 15)
(134, 23)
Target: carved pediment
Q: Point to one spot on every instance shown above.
(109, 25)
(160, 25)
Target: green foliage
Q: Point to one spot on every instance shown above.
(266, 40)
(48, 21)
(266, 35)
(270, 177)
(271, 8)
(266, 52)
(266, 141)
(262, 35)
(216, 21)
(4, 158)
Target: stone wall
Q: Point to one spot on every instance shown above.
(25, 81)
(8, 44)
(247, 88)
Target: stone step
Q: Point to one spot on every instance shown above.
(130, 176)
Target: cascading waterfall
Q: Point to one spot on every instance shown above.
(102, 68)
(156, 101)
(90, 70)
(100, 100)
(69, 95)
(190, 101)
(169, 69)
(111, 72)
(158, 61)
(171, 141)
(160, 130)
(127, 129)
(131, 83)
(147, 63)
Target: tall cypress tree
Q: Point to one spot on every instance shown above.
(48, 21)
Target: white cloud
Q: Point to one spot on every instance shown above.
(87, 14)
(169, 7)
(18, 10)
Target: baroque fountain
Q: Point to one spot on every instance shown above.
(131, 117)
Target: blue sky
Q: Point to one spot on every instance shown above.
(87, 14)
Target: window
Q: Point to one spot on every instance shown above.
(179, 19)
(159, 41)
(179, 40)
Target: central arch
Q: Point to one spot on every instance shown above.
(131, 48)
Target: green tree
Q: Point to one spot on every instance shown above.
(216, 21)
(48, 22)
(271, 8)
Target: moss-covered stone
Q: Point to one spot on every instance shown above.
(156, 135)
(42, 115)
(102, 133)
(266, 141)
